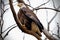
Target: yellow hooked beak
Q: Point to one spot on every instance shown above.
(20, 4)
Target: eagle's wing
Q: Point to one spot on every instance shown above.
(29, 14)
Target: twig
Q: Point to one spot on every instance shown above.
(53, 4)
(4, 11)
(56, 35)
(1, 18)
(54, 16)
(58, 29)
(47, 8)
(7, 28)
(8, 3)
(29, 4)
(43, 4)
(38, 6)
(9, 31)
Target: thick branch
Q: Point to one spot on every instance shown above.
(48, 35)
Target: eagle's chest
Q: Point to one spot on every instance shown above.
(26, 21)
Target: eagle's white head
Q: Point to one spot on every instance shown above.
(21, 5)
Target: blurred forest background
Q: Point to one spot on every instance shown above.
(49, 18)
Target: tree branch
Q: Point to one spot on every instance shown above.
(1, 18)
(56, 12)
(8, 3)
(7, 29)
(53, 4)
(54, 16)
(8, 32)
(43, 4)
(48, 35)
(47, 8)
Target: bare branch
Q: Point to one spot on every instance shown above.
(29, 5)
(9, 31)
(8, 28)
(38, 6)
(48, 35)
(4, 11)
(8, 3)
(47, 8)
(43, 4)
(1, 18)
(54, 16)
(55, 35)
(53, 4)
(58, 29)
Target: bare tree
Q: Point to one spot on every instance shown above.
(47, 34)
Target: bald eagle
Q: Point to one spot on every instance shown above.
(29, 19)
